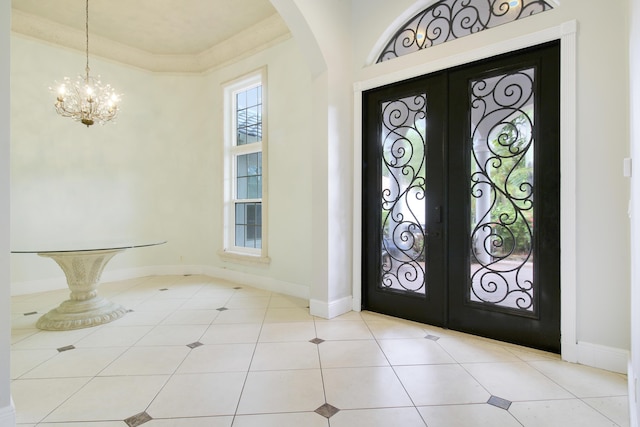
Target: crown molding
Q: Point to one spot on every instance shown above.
(268, 32)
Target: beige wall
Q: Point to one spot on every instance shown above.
(7, 411)
(155, 173)
(634, 69)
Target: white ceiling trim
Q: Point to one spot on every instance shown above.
(263, 35)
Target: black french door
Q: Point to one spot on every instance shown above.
(461, 198)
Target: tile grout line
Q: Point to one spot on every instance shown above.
(482, 385)
(324, 388)
(581, 399)
(253, 354)
(170, 376)
(375, 338)
(134, 345)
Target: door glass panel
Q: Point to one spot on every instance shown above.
(502, 190)
(403, 145)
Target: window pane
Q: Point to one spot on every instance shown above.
(404, 146)
(241, 117)
(241, 100)
(249, 176)
(241, 138)
(251, 213)
(241, 169)
(253, 115)
(252, 97)
(253, 134)
(240, 238)
(258, 237)
(251, 235)
(249, 225)
(252, 187)
(240, 217)
(249, 116)
(241, 188)
(252, 164)
(502, 191)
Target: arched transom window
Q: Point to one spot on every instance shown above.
(451, 19)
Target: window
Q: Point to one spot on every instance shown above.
(245, 201)
(447, 20)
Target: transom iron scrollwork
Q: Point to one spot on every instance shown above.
(451, 19)
(502, 190)
(403, 194)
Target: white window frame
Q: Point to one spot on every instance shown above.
(231, 152)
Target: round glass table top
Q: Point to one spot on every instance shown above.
(81, 246)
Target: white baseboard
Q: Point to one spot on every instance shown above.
(35, 286)
(261, 282)
(356, 302)
(633, 404)
(133, 273)
(329, 310)
(8, 416)
(603, 357)
(60, 282)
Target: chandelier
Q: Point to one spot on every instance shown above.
(86, 100)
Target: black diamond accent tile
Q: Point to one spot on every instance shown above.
(499, 402)
(238, 287)
(138, 419)
(31, 313)
(222, 309)
(327, 410)
(66, 348)
(316, 341)
(194, 344)
(432, 337)
(163, 289)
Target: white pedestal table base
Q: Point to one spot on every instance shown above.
(84, 308)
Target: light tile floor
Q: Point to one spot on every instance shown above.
(196, 352)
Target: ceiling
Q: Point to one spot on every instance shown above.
(159, 35)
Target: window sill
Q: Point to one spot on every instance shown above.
(244, 258)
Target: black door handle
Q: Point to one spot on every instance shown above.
(438, 214)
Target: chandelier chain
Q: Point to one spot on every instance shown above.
(86, 30)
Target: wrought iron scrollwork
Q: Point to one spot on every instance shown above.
(403, 194)
(451, 19)
(502, 190)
